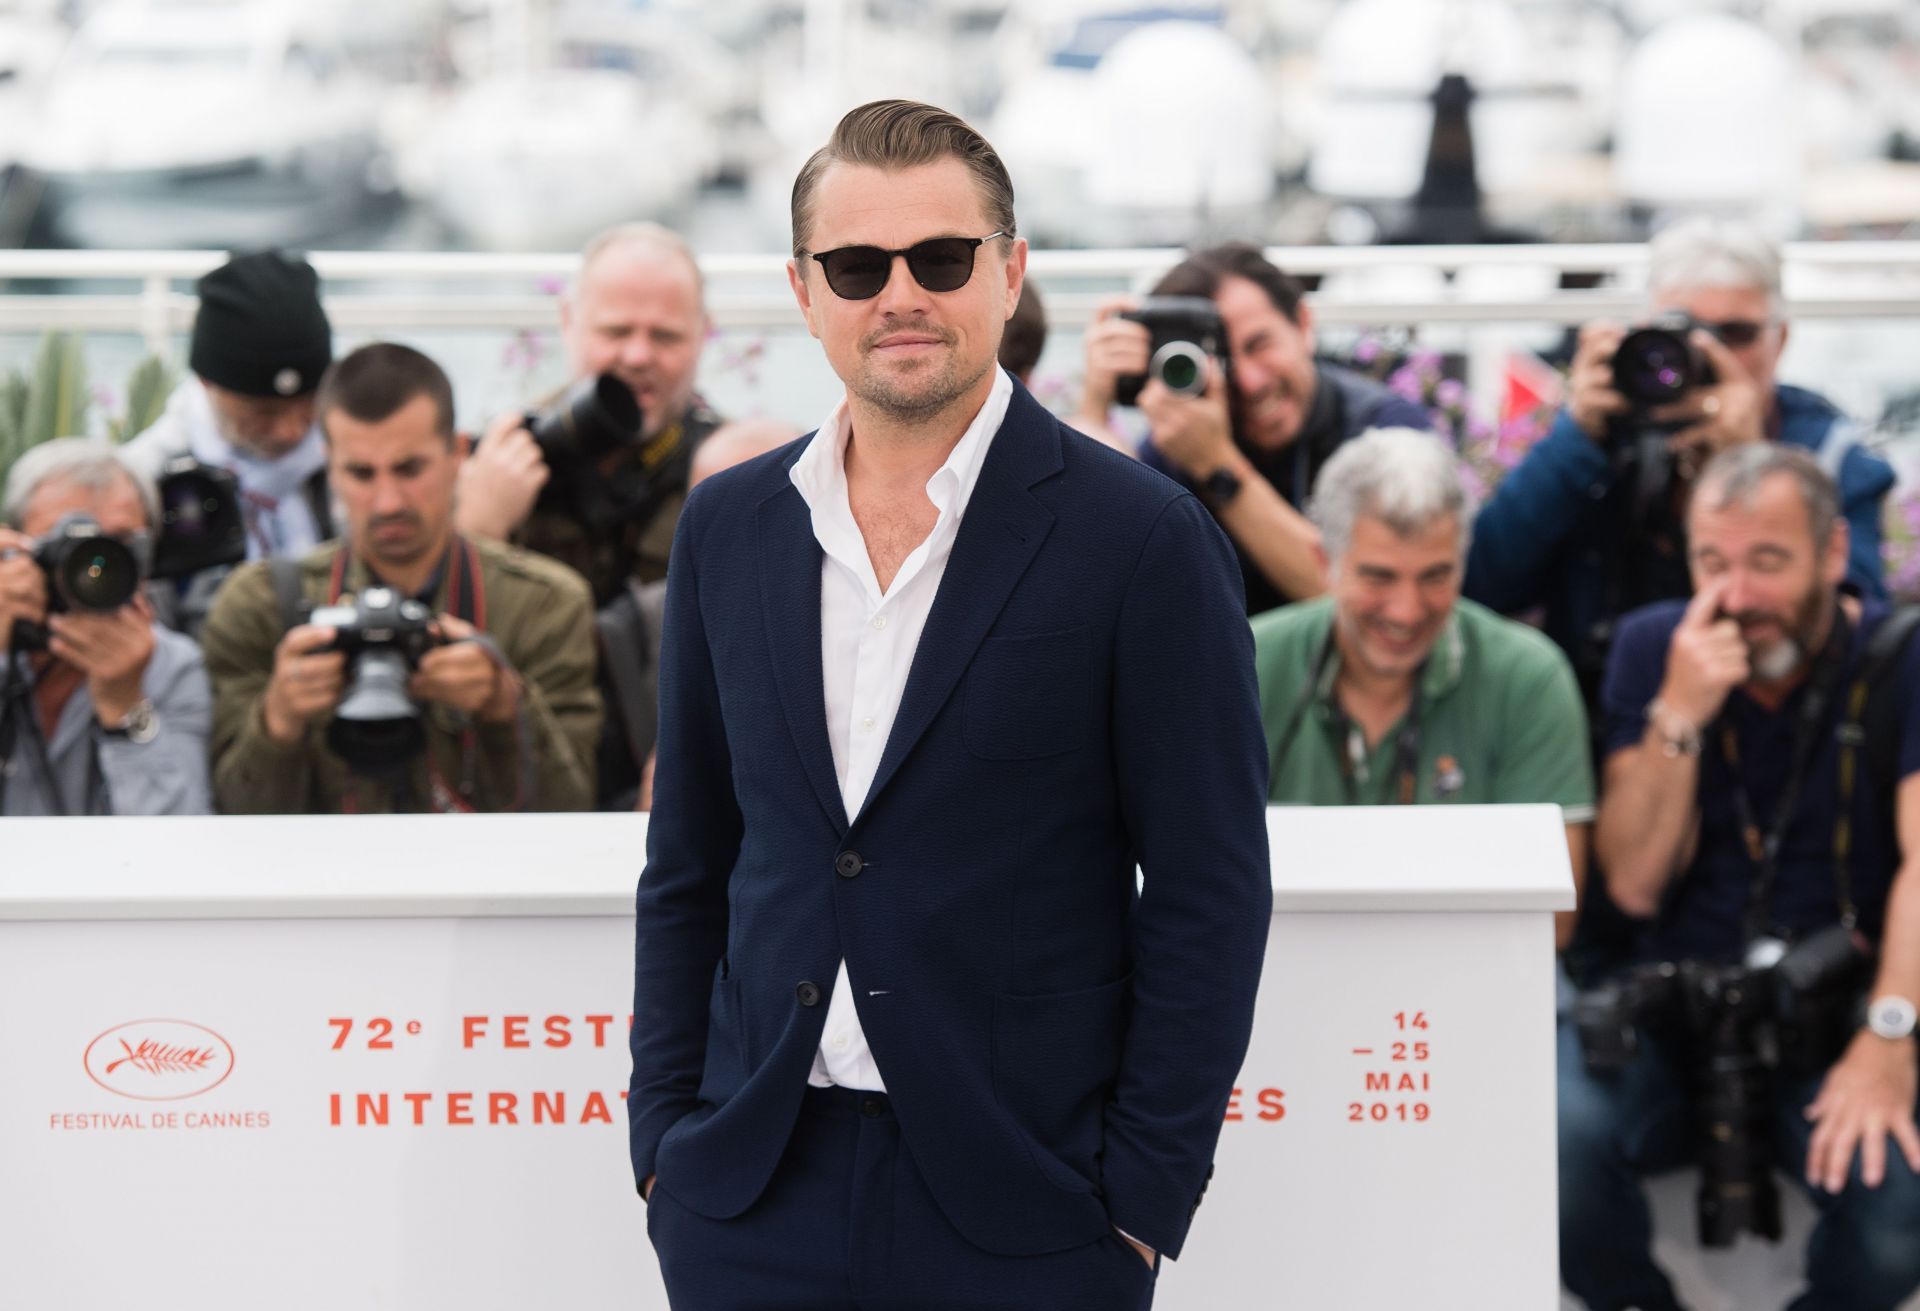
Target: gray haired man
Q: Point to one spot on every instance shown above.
(1589, 526)
(1391, 689)
(102, 712)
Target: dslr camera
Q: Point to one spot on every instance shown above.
(593, 418)
(1781, 1009)
(1183, 333)
(201, 525)
(86, 570)
(1657, 364)
(377, 727)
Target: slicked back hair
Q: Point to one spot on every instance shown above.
(374, 382)
(902, 134)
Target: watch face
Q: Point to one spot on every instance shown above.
(143, 725)
(1891, 1017)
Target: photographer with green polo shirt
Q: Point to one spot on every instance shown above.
(1391, 689)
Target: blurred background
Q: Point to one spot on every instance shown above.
(1460, 181)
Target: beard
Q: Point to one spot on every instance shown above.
(921, 391)
(1793, 651)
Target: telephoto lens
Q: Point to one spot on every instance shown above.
(595, 417)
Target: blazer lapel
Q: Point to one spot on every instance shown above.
(1000, 532)
(789, 557)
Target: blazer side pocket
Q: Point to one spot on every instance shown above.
(1029, 696)
(1054, 1061)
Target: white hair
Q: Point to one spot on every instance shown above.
(1713, 252)
(638, 236)
(90, 462)
(1407, 479)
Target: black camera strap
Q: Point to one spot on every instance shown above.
(1763, 847)
(1884, 648)
(1406, 751)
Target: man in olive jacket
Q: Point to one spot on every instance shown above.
(508, 714)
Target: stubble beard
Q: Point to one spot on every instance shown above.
(917, 395)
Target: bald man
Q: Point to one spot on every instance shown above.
(636, 311)
(629, 629)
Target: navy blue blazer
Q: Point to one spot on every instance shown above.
(1058, 1049)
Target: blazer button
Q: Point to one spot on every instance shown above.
(808, 992)
(848, 864)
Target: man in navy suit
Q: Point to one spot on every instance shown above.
(907, 1031)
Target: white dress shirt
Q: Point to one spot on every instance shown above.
(867, 641)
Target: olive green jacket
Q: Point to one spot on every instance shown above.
(539, 614)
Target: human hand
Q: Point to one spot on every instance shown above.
(464, 675)
(1866, 1098)
(112, 648)
(1729, 413)
(1592, 398)
(23, 586)
(1147, 1254)
(1194, 432)
(500, 481)
(1115, 347)
(306, 681)
(1707, 660)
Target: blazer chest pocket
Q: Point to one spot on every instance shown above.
(1029, 696)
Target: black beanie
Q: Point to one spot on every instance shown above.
(260, 330)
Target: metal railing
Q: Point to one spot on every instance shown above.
(438, 290)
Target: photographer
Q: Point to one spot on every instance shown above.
(260, 343)
(636, 312)
(1250, 451)
(1589, 525)
(471, 680)
(1391, 689)
(1761, 817)
(102, 712)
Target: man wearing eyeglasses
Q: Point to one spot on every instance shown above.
(1590, 525)
(907, 1033)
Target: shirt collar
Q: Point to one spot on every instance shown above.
(820, 474)
(1438, 677)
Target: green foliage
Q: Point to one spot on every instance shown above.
(50, 398)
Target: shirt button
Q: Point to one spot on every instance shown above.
(871, 1108)
(808, 992)
(879, 622)
(840, 1043)
(848, 864)
(867, 724)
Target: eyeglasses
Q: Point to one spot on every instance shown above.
(1738, 334)
(938, 264)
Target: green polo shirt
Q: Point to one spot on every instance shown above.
(1500, 717)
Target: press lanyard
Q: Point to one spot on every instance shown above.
(1351, 745)
(1763, 848)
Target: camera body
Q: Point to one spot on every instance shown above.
(1657, 364)
(376, 727)
(201, 525)
(86, 570)
(1183, 333)
(595, 417)
(1781, 1009)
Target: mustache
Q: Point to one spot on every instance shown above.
(406, 520)
(919, 327)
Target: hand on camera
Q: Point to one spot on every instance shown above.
(463, 675)
(1194, 432)
(1728, 413)
(1707, 660)
(1592, 399)
(1115, 347)
(306, 681)
(500, 480)
(23, 586)
(1867, 1097)
(112, 648)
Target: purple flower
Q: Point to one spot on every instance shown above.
(1450, 393)
(1407, 383)
(1366, 351)
(551, 284)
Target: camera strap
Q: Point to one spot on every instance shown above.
(1350, 740)
(1763, 847)
(1884, 648)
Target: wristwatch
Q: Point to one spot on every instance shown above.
(1890, 1016)
(141, 725)
(1220, 486)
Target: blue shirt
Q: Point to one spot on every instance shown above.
(1703, 913)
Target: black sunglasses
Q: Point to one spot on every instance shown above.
(1738, 333)
(938, 264)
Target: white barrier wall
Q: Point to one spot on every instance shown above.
(378, 1062)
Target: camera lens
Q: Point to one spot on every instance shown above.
(1654, 366)
(97, 573)
(1181, 367)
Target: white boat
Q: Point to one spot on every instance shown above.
(203, 122)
